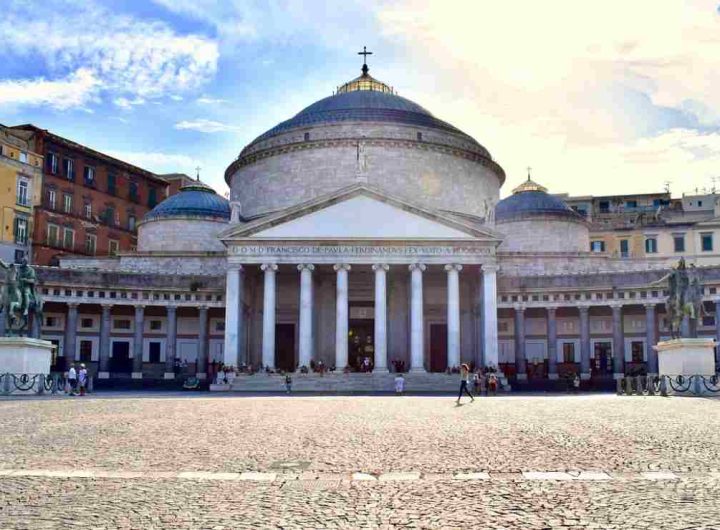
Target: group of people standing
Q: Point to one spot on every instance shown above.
(77, 380)
(482, 383)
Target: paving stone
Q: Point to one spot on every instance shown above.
(363, 476)
(546, 475)
(472, 476)
(258, 477)
(387, 477)
(659, 475)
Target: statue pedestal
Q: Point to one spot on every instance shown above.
(23, 355)
(686, 357)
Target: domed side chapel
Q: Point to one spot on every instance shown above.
(362, 234)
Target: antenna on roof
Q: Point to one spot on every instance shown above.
(667, 186)
(197, 176)
(529, 169)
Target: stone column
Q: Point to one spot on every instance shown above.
(490, 315)
(269, 302)
(520, 359)
(305, 350)
(552, 343)
(341, 316)
(138, 342)
(453, 314)
(417, 335)
(651, 339)
(105, 325)
(618, 342)
(171, 343)
(202, 357)
(381, 364)
(234, 315)
(584, 341)
(70, 334)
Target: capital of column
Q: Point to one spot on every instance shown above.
(417, 266)
(380, 266)
(489, 267)
(453, 267)
(272, 267)
(171, 309)
(234, 267)
(552, 310)
(519, 308)
(306, 266)
(75, 305)
(341, 266)
(616, 307)
(650, 306)
(203, 308)
(583, 309)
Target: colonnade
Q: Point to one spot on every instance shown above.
(235, 325)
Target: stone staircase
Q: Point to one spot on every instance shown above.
(353, 383)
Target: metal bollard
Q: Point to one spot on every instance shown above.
(55, 383)
(6, 386)
(663, 386)
(628, 386)
(639, 386)
(90, 385)
(650, 386)
(697, 390)
(41, 384)
(619, 386)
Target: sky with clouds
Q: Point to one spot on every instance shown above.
(598, 97)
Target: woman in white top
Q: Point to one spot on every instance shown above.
(464, 376)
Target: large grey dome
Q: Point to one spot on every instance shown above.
(532, 200)
(364, 105)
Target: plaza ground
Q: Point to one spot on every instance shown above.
(360, 462)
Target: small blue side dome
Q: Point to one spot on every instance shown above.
(532, 200)
(195, 200)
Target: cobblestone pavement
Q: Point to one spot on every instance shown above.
(312, 447)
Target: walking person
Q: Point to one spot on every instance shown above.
(72, 379)
(399, 384)
(576, 384)
(288, 383)
(464, 376)
(82, 379)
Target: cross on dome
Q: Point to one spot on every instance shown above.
(365, 53)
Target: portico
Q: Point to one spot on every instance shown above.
(321, 242)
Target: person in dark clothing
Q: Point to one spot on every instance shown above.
(464, 376)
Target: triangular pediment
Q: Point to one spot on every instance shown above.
(359, 213)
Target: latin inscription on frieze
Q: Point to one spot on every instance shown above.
(358, 250)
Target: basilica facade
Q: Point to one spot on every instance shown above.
(362, 230)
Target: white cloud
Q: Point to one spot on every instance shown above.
(205, 126)
(77, 90)
(205, 100)
(129, 59)
(559, 85)
(127, 104)
(158, 162)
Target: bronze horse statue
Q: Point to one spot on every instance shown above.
(20, 298)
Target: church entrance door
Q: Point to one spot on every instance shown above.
(285, 347)
(121, 362)
(360, 344)
(438, 347)
(602, 362)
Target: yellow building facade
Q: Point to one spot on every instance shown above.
(20, 191)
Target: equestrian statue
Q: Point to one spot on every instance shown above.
(20, 298)
(684, 300)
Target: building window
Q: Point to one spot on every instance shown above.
(604, 206)
(52, 163)
(651, 245)
(700, 204)
(67, 203)
(637, 349)
(51, 322)
(133, 191)
(86, 323)
(53, 235)
(111, 184)
(220, 326)
(155, 325)
(90, 244)
(568, 349)
(152, 197)
(89, 175)
(69, 168)
(679, 243)
(23, 157)
(121, 323)
(707, 242)
(88, 210)
(624, 248)
(708, 321)
(19, 255)
(68, 238)
(51, 199)
(23, 192)
(631, 205)
(113, 247)
(21, 230)
(307, 136)
(109, 216)
(131, 223)
(154, 352)
(86, 351)
(597, 246)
